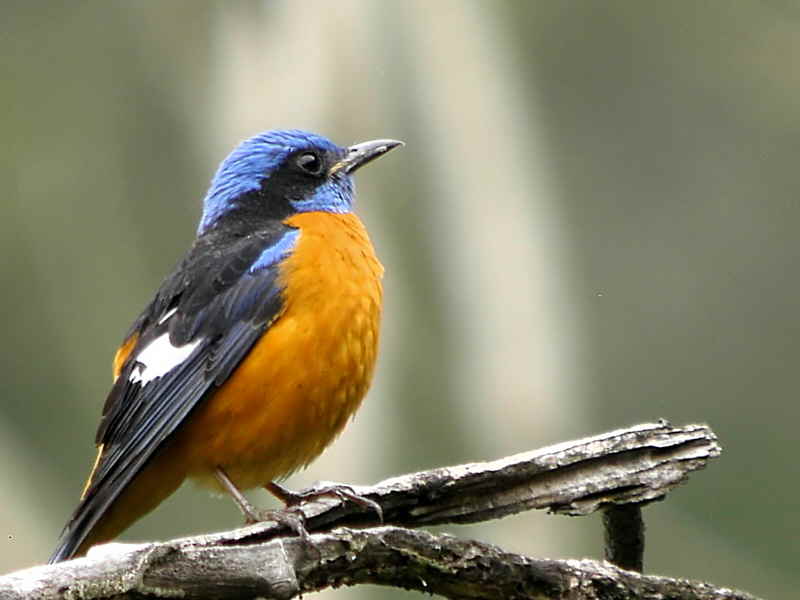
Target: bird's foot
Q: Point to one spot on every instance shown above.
(292, 519)
(337, 490)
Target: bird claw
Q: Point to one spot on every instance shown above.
(290, 518)
(338, 490)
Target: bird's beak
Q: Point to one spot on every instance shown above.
(360, 154)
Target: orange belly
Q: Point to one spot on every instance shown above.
(303, 380)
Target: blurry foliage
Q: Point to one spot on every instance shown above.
(668, 132)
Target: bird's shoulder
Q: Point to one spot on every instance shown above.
(223, 277)
(207, 312)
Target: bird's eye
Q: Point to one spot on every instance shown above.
(310, 162)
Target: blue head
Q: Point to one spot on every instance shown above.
(281, 172)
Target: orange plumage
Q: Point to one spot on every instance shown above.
(283, 405)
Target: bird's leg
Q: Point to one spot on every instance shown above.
(251, 514)
(341, 491)
(294, 521)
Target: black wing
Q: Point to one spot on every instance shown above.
(211, 311)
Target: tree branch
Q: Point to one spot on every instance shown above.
(635, 465)
(623, 529)
(283, 568)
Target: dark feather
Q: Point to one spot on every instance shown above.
(223, 302)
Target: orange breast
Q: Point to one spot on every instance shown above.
(302, 381)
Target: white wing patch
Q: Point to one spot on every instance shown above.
(167, 315)
(158, 358)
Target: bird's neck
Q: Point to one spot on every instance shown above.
(244, 214)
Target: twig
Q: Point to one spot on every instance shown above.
(624, 536)
(635, 465)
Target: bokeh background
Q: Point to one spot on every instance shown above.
(594, 223)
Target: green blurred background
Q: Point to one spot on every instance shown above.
(593, 224)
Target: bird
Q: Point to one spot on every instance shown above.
(255, 350)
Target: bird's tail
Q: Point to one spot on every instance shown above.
(105, 513)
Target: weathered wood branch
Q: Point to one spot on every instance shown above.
(635, 465)
(623, 529)
(284, 568)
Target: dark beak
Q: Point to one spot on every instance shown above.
(360, 154)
